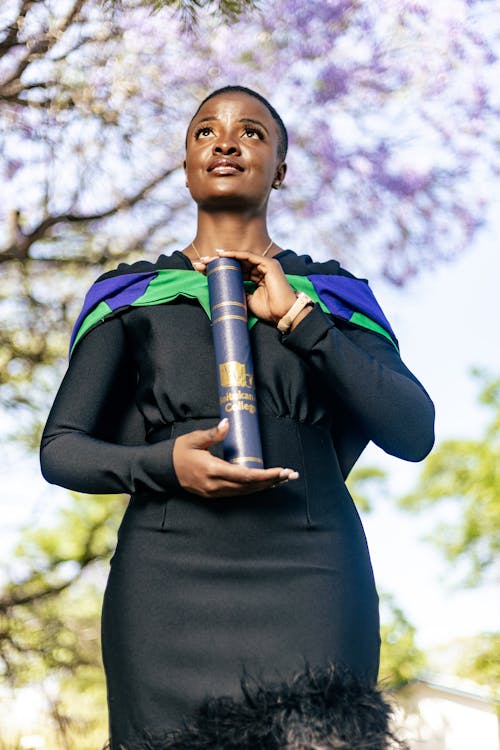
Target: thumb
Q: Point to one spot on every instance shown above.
(203, 439)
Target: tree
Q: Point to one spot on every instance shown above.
(362, 478)
(390, 107)
(49, 562)
(480, 660)
(50, 615)
(400, 658)
(188, 9)
(463, 477)
(465, 474)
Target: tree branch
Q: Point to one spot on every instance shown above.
(39, 46)
(15, 600)
(11, 38)
(21, 595)
(19, 249)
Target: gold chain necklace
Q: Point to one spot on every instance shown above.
(263, 254)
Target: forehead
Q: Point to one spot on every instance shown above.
(237, 106)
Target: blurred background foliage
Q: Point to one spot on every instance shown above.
(465, 476)
(392, 110)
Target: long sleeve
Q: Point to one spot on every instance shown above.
(365, 373)
(79, 448)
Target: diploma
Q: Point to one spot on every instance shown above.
(233, 357)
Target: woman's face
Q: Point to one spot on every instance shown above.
(232, 154)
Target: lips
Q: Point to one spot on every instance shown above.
(225, 166)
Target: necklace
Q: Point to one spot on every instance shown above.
(263, 254)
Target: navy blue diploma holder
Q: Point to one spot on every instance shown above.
(233, 357)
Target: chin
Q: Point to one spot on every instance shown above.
(230, 200)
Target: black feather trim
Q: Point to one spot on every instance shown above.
(319, 709)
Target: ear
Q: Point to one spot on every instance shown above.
(280, 176)
(184, 167)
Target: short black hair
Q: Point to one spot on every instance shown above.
(282, 132)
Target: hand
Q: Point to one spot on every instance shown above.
(203, 474)
(273, 296)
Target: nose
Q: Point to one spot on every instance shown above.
(226, 144)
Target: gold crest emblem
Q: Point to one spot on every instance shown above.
(235, 374)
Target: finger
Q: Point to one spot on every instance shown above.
(245, 255)
(259, 269)
(242, 475)
(199, 266)
(254, 264)
(205, 438)
(226, 488)
(247, 265)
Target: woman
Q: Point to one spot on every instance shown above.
(219, 569)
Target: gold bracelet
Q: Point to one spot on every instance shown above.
(285, 323)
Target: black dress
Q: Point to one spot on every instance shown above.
(201, 591)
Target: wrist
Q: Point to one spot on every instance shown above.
(302, 314)
(298, 310)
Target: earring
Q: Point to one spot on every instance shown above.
(276, 184)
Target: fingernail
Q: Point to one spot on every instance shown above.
(197, 263)
(218, 250)
(289, 474)
(205, 258)
(222, 423)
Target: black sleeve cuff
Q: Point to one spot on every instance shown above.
(154, 467)
(311, 329)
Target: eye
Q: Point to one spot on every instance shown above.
(202, 132)
(253, 132)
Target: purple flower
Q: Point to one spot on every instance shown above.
(332, 83)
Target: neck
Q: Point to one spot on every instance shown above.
(231, 232)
